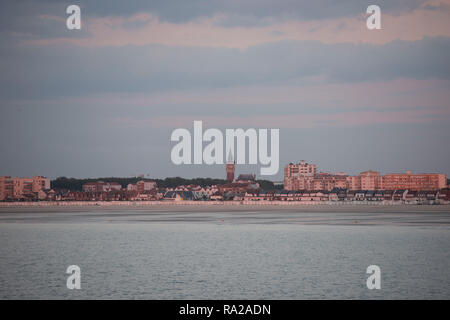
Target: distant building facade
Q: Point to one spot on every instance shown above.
(246, 177)
(300, 169)
(371, 180)
(299, 176)
(303, 176)
(145, 186)
(414, 181)
(101, 186)
(230, 167)
(22, 188)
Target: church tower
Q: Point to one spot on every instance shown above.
(230, 167)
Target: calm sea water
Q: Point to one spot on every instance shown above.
(130, 258)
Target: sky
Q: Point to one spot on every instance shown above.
(103, 101)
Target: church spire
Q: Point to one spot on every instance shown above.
(230, 157)
(230, 166)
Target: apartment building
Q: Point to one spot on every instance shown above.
(417, 181)
(22, 188)
(303, 176)
(299, 176)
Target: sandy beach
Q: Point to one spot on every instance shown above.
(220, 206)
(415, 215)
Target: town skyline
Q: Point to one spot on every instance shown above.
(292, 172)
(302, 185)
(242, 169)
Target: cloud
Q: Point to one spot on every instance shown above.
(69, 71)
(181, 11)
(243, 29)
(401, 101)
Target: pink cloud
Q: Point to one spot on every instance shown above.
(113, 31)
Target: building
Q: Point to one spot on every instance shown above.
(416, 182)
(326, 181)
(6, 188)
(237, 187)
(145, 185)
(246, 178)
(132, 187)
(303, 176)
(300, 169)
(93, 186)
(353, 182)
(231, 164)
(101, 186)
(142, 186)
(299, 176)
(298, 183)
(22, 188)
(371, 180)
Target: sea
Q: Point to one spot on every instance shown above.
(210, 253)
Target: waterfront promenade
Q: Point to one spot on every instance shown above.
(261, 203)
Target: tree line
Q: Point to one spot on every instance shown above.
(74, 184)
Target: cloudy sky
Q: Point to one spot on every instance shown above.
(103, 100)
